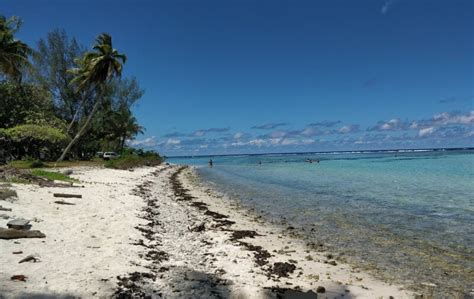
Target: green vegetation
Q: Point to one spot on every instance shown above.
(57, 176)
(16, 180)
(132, 159)
(14, 53)
(61, 101)
(28, 164)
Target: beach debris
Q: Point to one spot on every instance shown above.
(314, 277)
(56, 184)
(261, 255)
(5, 209)
(4, 216)
(67, 195)
(10, 233)
(29, 258)
(285, 293)
(8, 194)
(240, 234)
(18, 278)
(62, 202)
(198, 228)
(215, 215)
(333, 263)
(129, 286)
(21, 224)
(282, 269)
(321, 289)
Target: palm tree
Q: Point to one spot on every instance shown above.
(13, 53)
(126, 126)
(97, 68)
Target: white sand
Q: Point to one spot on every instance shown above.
(84, 243)
(88, 245)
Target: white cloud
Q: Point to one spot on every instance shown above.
(172, 141)
(308, 141)
(446, 118)
(147, 142)
(386, 6)
(257, 142)
(426, 131)
(288, 141)
(309, 131)
(278, 134)
(348, 129)
(199, 133)
(275, 141)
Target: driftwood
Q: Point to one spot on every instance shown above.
(61, 202)
(18, 277)
(67, 195)
(29, 258)
(9, 233)
(49, 183)
(5, 209)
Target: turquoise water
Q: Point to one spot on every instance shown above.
(406, 215)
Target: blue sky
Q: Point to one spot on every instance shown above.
(280, 76)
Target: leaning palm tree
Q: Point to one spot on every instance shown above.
(13, 53)
(96, 70)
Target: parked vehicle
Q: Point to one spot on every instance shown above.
(110, 155)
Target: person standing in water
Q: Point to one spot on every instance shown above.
(210, 163)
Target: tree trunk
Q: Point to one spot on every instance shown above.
(75, 116)
(122, 143)
(81, 131)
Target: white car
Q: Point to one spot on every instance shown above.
(110, 155)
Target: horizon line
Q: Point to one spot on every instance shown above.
(325, 152)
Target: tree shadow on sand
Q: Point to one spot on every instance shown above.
(189, 283)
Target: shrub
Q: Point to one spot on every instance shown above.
(32, 140)
(128, 161)
(37, 164)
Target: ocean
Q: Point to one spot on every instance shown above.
(406, 215)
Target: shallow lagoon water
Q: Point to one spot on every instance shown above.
(406, 215)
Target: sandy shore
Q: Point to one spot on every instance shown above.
(158, 232)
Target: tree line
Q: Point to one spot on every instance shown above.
(61, 100)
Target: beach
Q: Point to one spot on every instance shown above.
(157, 232)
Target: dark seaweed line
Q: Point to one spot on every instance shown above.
(131, 284)
(261, 256)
